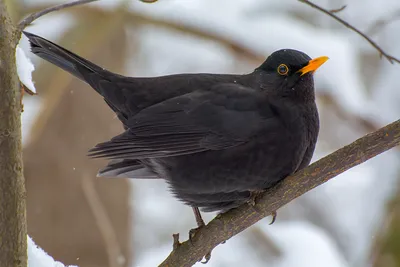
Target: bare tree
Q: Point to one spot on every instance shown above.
(13, 227)
(13, 243)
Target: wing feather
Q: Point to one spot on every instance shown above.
(224, 117)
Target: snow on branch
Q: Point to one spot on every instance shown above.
(24, 70)
(37, 257)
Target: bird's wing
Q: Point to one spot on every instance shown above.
(126, 168)
(224, 117)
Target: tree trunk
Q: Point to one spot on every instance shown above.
(13, 243)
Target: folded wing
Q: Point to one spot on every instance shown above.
(225, 116)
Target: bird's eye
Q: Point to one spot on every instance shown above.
(283, 69)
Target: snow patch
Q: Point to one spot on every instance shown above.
(37, 257)
(24, 69)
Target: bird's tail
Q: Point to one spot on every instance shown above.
(68, 61)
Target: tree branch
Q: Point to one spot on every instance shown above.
(337, 10)
(13, 243)
(390, 58)
(30, 18)
(235, 221)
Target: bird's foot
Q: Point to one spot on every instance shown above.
(192, 234)
(273, 214)
(252, 202)
(199, 221)
(253, 196)
(176, 244)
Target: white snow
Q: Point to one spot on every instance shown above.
(37, 257)
(24, 69)
(31, 111)
(31, 103)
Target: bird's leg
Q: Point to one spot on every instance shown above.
(198, 217)
(192, 232)
(199, 221)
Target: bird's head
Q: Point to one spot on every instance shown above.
(289, 72)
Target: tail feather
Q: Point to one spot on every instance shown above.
(101, 80)
(126, 168)
(68, 61)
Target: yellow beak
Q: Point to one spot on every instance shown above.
(313, 65)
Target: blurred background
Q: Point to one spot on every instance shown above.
(353, 220)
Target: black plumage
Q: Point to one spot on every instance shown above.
(215, 138)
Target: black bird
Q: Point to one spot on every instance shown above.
(215, 138)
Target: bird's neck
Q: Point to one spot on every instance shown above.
(304, 90)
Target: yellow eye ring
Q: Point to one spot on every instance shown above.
(282, 69)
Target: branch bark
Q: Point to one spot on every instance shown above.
(235, 221)
(13, 243)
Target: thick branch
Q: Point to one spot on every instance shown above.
(13, 244)
(30, 18)
(235, 221)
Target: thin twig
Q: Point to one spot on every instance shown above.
(134, 17)
(235, 221)
(390, 58)
(27, 90)
(337, 10)
(30, 18)
(115, 256)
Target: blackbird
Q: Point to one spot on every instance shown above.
(217, 139)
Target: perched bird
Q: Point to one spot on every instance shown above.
(215, 138)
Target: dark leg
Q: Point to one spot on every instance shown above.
(192, 232)
(198, 217)
(199, 221)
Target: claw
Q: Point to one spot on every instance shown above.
(273, 214)
(192, 233)
(207, 258)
